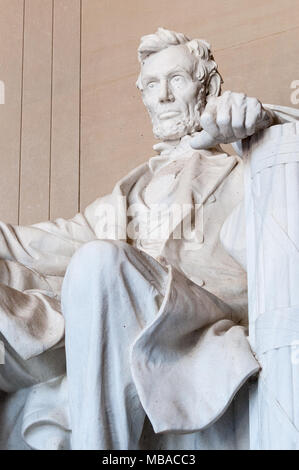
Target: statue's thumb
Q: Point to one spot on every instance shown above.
(203, 140)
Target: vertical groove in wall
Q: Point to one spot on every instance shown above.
(21, 110)
(80, 109)
(51, 111)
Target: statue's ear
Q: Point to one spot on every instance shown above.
(214, 85)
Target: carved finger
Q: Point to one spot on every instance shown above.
(253, 116)
(203, 140)
(208, 123)
(239, 98)
(265, 119)
(238, 119)
(224, 122)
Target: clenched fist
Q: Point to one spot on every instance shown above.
(228, 118)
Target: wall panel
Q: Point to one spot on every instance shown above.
(36, 116)
(65, 135)
(11, 46)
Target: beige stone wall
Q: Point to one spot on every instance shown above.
(73, 122)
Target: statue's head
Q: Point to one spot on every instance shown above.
(177, 77)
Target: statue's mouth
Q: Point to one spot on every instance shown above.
(168, 114)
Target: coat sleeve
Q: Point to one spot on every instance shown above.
(282, 114)
(48, 246)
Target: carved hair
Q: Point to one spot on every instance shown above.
(206, 66)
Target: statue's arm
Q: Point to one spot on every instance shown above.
(47, 246)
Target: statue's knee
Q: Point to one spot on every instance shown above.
(93, 265)
(97, 251)
(94, 257)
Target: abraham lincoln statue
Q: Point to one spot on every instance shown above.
(126, 326)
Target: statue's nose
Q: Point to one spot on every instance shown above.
(165, 92)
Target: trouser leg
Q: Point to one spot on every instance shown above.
(110, 292)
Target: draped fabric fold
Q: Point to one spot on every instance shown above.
(191, 341)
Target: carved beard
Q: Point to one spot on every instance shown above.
(178, 127)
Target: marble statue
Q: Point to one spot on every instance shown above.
(271, 195)
(126, 327)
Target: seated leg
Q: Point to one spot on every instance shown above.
(110, 292)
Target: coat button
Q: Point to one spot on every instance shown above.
(200, 282)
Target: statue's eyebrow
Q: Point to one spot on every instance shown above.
(176, 69)
(149, 78)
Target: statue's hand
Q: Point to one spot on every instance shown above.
(228, 118)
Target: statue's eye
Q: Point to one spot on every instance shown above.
(151, 85)
(177, 80)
